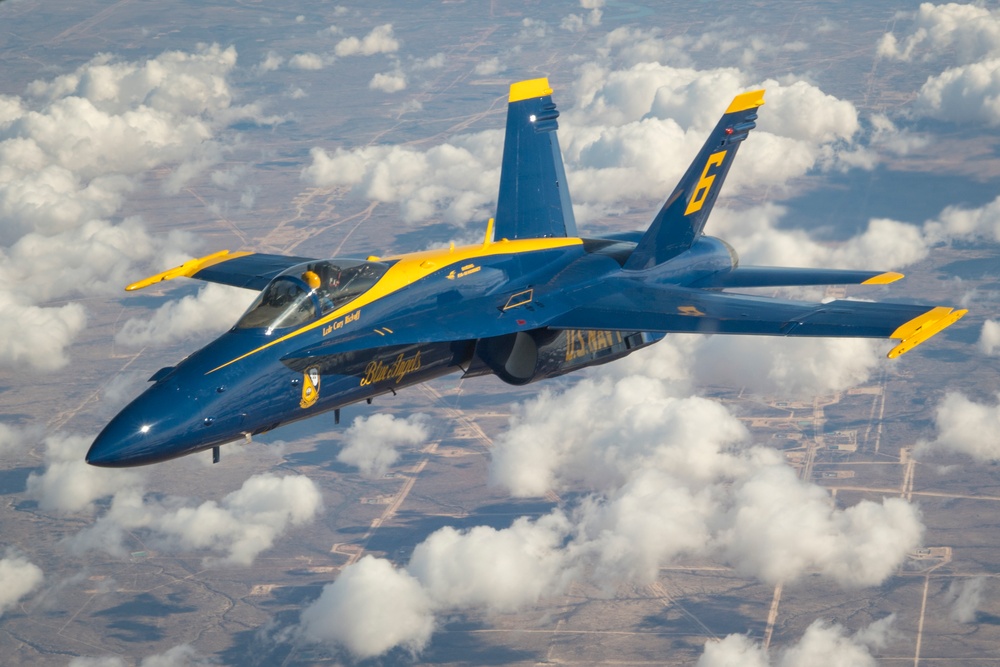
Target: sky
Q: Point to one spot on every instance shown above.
(134, 136)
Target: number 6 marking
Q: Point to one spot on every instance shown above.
(705, 183)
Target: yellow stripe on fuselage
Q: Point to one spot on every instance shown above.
(410, 268)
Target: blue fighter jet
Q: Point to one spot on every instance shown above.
(534, 300)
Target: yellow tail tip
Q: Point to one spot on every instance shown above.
(525, 90)
(744, 101)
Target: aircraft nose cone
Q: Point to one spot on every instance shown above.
(125, 441)
(160, 424)
(164, 423)
(105, 452)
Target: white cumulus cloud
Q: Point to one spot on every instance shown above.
(182, 655)
(388, 82)
(966, 426)
(371, 441)
(213, 309)
(242, 525)
(371, 608)
(18, 577)
(236, 529)
(970, 33)
(989, 338)
(965, 596)
(71, 151)
(823, 643)
(380, 40)
(657, 477)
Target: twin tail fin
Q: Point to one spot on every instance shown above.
(681, 219)
(534, 199)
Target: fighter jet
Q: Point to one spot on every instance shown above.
(533, 301)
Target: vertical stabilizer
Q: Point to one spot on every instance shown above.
(534, 199)
(682, 217)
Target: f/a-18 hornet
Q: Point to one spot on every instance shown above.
(534, 300)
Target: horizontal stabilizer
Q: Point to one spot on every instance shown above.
(779, 276)
(533, 201)
(249, 270)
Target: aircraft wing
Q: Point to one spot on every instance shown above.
(250, 270)
(641, 307)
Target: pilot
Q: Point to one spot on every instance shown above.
(316, 284)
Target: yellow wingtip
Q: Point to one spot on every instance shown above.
(188, 268)
(923, 327)
(525, 90)
(744, 101)
(883, 278)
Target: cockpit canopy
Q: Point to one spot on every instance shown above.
(310, 290)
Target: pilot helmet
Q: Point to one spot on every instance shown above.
(310, 278)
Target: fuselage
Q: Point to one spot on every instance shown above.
(314, 341)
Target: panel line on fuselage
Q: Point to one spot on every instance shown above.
(411, 267)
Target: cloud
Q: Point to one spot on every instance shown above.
(308, 61)
(966, 427)
(212, 310)
(18, 577)
(489, 67)
(497, 570)
(388, 82)
(883, 244)
(271, 62)
(790, 367)
(37, 336)
(240, 526)
(989, 339)
(71, 152)
(370, 609)
(379, 40)
(969, 224)
(823, 643)
(105, 661)
(183, 655)
(734, 651)
(436, 61)
(653, 477)
(968, 92)
(13, 438)
(449, 181)
(371, 441)
(622, 132)
(245, 523)
(965, 596)
(779, 528)
(968, 31)
(580, 22)
(68, 484)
